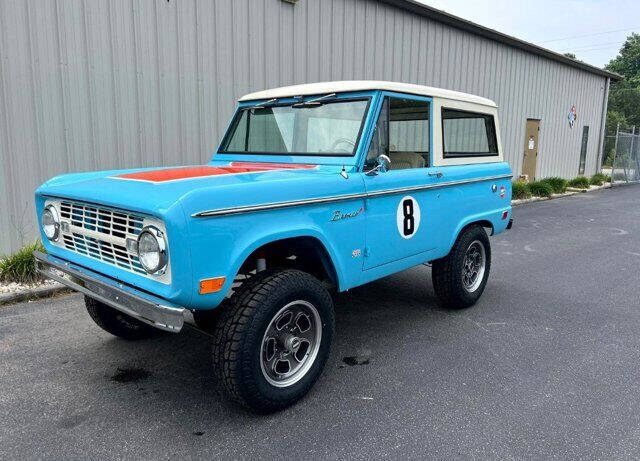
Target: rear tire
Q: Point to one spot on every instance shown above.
(272, 341)
(460, 277)
(118, 323)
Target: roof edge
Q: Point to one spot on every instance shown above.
(343, 86)
(459, 23)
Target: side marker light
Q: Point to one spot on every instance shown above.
(212, 285)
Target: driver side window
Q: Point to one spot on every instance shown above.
(380, 140)
(402, 133)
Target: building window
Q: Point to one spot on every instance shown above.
(583, 149)
(468, 134)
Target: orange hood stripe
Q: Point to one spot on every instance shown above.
(173, 174)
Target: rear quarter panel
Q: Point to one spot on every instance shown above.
(476, 201)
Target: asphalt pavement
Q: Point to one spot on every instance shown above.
(545, 366)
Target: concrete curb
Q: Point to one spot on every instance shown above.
(624, 183)
(35, 293)
(570, 191)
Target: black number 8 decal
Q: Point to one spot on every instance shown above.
(408, 217)
(409, 223)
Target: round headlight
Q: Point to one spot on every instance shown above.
(152, 250)
(51, 222)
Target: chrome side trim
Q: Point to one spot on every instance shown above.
(402, 190)
(142, 306)
(276, 205)
(341, 198)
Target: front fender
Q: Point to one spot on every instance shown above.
(220, 245)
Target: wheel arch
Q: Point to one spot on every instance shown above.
(308, 243)
(482, 221)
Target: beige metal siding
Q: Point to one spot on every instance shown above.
(96, 84)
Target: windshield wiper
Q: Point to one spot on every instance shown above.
(262, 105)
(313, 102)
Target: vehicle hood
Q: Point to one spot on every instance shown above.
(214, 185)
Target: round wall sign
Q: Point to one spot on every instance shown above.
(408, 217)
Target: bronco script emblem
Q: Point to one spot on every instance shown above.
(339, 215)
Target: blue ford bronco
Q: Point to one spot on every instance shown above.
(315, 189)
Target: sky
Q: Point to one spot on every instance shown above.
(594, 30)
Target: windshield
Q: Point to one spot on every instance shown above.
(314, 127)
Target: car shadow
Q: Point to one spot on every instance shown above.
(177, 368)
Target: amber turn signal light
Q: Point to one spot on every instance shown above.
(212, 285)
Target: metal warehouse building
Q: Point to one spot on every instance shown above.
(88, 85)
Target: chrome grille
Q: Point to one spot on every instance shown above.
(104, 251)
(103, 220)
(101, 233)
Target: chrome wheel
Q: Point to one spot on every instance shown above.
(290, 343)
(473, 266)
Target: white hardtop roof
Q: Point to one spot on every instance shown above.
(364, 85)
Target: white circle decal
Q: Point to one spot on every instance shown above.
(408, 217)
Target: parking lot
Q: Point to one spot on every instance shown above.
(546, 365)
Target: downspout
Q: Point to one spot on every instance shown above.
(603, 124)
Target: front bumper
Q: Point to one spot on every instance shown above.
(141, 305)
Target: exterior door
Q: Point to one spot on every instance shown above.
(400, 211)
(531, 148)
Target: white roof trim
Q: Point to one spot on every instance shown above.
(364, 85)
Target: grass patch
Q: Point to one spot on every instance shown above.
(520, 190)
(20, 267)
(541, 189)
(598, 179)
(559, 185)
(581, 182)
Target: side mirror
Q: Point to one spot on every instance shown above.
(383, 162)
(382, 165)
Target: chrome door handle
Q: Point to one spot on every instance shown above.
(437, 174)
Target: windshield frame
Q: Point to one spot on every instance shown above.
(289, 101)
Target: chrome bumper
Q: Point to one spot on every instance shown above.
(140, 305)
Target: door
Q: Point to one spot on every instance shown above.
(531, 148)
(400, 219)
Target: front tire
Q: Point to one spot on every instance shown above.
(460, 277)
(118, 323)
(272, 341)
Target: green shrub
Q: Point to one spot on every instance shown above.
(580, 182)
(520, 190)
(558, 185)
(598, 179)
(541, 189)
(20, 267)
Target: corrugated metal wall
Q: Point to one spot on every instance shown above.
(95, 84)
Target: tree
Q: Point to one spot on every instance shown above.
(624, 96)
(569, 55)
(613, 119)
(627, 63)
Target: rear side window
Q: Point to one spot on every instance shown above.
(468, 134)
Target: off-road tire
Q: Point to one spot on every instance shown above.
(240, 330)
(447, 272)
(118, 323)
